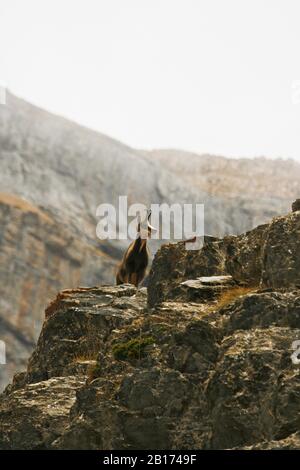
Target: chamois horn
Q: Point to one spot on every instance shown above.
(150, 227)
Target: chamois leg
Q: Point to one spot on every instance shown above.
(136, 278)
(121, 277)
(133, 279)
(140, 276)
(118, 279)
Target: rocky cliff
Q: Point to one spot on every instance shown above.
(38, 256)
(53, 175)
(200, 360)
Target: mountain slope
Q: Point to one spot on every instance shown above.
(233, 177)
(53, 175)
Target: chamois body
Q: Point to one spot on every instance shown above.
(133, 267)
(134, 264)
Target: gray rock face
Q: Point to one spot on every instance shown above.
(256, 309)
(253, 394)
(252, 182)
(111, 372)
(281, 257)
(82, 321)
(40, 412)
(173, 265)
(267, 256)
(244, 255)
(296, 205)
(54, 174)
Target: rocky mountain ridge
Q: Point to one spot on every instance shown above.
(53, 175)
(230, 177)
(199, 360)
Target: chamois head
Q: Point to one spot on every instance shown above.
(144, 229)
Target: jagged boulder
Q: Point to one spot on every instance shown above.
(175, 268)
(296, 205)
(148, 400)
(254, 393)
(77, 324)
(33, 416)
(263, 309)
(281, 255)
(267, 256)
(174, 264)
(243, 260)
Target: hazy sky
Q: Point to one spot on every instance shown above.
(204, 75)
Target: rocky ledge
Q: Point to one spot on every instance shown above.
(202, 360)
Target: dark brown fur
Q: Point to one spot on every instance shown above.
(134, 264)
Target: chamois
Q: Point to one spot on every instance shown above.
(133, 267)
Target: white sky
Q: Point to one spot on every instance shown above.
(204, 75)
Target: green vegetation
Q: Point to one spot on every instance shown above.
(132, 349)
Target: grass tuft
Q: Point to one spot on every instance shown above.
(232, 294)
(93, 372)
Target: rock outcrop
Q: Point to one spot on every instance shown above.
(296, 205)
(121, 368)
(54, 174)
(267, 256)
(38, 257)
(281, 257)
